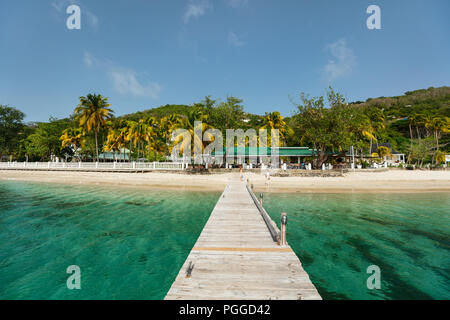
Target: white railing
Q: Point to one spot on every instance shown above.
(148, 166)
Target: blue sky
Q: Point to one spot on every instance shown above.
(146, 53)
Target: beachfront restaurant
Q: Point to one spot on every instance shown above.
(241, 155)
(123, 155)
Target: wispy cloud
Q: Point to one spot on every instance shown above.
(343, 62)
(236, 3)
(196, 9)
(89, 60)
(234, 40)
(124, 80)
(60, 7)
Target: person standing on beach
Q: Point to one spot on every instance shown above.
(267, 178)
(241, 174)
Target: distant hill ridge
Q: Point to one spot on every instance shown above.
(432, 99)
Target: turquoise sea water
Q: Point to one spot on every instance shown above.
(337, 236)
(130, 243)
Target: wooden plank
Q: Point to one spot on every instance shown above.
(236, 257)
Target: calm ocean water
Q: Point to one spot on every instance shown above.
(130, 243)
(337, 236)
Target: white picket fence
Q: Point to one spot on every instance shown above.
(119, 166)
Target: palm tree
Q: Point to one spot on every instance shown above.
(377, 123)
(136, 133)
(122, 140)
(112, 142)
(92, 113)
(150, 134)
(167, 125)
(190, 126)
(72, 137)
(274, 120)
(383, 152)
(412, 120)
(438, 125)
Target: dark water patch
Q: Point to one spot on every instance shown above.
(442, 240)
(374, 220)
(327, 294)
(146, 203)
(397, 288)
(72, 204)
(116, 234)
(305, 257)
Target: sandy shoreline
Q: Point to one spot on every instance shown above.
(358, 182)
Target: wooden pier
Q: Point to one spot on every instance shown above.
(237, 256)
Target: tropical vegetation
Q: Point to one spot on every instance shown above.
(416, 124)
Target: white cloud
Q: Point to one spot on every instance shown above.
(92, 19)
(236, 3)
(89, 59)
(196, 9)
(343, 63)
(234, 40)
(124, 80)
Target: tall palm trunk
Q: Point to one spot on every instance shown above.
(138, 145)
(96, 144)
(129, 157)
(410, 133)
(436, 135)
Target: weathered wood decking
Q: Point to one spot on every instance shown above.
(235, 257)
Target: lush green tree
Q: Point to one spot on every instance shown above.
(45, 141)
(328, 129)
(225, 115)
(420, 151)
(10, 127)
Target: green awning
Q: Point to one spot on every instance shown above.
(262, 151)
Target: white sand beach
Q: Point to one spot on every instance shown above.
(358, 182)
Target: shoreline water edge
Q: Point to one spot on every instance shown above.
(394, 181)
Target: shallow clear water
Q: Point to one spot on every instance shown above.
(129, 244)
(337, 236)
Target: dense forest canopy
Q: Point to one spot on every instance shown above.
(416, 123)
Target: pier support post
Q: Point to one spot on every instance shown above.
(283, 241)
